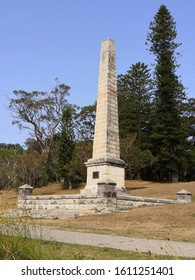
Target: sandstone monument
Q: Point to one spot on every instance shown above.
(105, 164)
(105, 189)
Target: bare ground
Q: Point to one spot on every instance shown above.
(171, 222)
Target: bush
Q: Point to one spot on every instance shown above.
(28, 168)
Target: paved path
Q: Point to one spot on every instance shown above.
(160, 247)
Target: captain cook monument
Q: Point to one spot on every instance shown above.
(105, 164)
(105, 188)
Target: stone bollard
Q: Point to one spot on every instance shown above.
(106, 189)
(184, 195)
(106, 196)
(24, 191)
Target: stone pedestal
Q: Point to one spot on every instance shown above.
(106, 189)
(24, 191)
(102, 169)
(106, 196)
(105, 162)
(184, 195)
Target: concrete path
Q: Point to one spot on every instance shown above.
(159, 247)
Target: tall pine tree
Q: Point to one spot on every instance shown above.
(134, 96)
(65, 146)
(169, 131)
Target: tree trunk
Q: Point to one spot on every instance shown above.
(138, 175)
(174, 177)
(69, 184)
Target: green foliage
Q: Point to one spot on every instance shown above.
(163, 33)
(8, 152)
(190, 174)
(30, 168)
(13, 148)
(65, 144)
(76, 167)
(169, 133)
(40, 112)
(190, 118)
(135, 105)
(5, 153)
(17, 248)
(137, 160)
(32, 145)
(85, 122)
(134, 98)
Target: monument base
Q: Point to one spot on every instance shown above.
(100, 169)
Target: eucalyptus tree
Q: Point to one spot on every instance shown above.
(40, 112)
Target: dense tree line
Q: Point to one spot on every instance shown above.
(71, 147)
(160, 118)
(156, 119)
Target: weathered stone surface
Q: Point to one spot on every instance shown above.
(106, 188)
(106, 128)
(106, 162)
(66, 205)
(24, 191)
(105, 170)
(184, 196)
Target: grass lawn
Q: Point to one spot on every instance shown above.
(16, 248)
(168, 222)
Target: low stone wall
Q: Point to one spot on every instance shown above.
(78, 203)
(87, 204)
(105, 201)
(57, 202)
(127, 201)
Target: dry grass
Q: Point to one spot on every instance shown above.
(161, 190)
(170, 222)
(8, 199)
(55, 188)
(174, 222)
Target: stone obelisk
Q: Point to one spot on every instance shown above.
(105, 163)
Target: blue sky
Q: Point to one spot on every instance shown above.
(44, 39)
